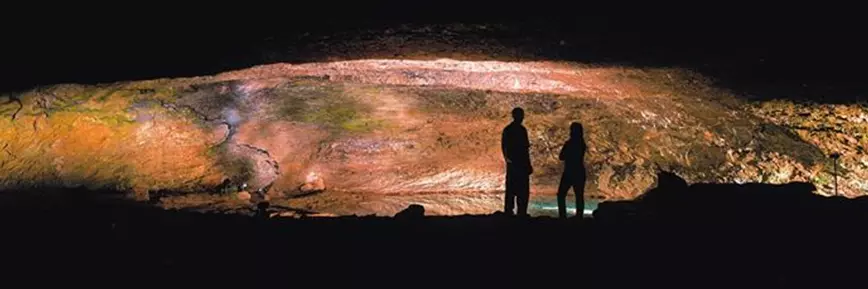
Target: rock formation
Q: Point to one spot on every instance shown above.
(412, 212)
(390, 127)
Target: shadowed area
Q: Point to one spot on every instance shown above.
(760, 51)
(705, 234)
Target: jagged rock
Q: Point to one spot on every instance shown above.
(616, 211)
(413, 212)
(297, 215)
(262, 210)
(313, 183)
(244, 196)
(141, 194)
(286, 214)
(321, 215)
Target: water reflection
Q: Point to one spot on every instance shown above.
(548, 206)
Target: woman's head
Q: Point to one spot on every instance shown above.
(576, 130)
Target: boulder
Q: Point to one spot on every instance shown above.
(321, 215)
(413, 212)
(140, 194)
(286, 214)
(313, 184)
(262, 210)
(244, 196)
(616, 211)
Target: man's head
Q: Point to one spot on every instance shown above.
(518, 114)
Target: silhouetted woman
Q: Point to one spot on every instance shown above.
(573, 156)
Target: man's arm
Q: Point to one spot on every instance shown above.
(527, 150)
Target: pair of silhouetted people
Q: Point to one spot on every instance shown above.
(516, 153)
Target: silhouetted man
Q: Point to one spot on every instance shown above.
(573, 156)
(516, 153)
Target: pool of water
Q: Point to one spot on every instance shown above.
(435, 204)
(548, 206)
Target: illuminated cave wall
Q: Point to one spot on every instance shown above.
(388, 126)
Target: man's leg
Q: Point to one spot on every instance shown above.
(522, 194)
(509, 207)
(523, 201)
(509, 199)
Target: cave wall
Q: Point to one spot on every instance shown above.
(370, 134)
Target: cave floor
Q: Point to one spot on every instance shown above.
(339, 203)
(108, 244)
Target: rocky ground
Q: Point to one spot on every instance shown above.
(834, 129)
(77, 236)
(371, 136)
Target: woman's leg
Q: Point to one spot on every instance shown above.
(563, 189)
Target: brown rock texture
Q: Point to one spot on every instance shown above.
(397, 131)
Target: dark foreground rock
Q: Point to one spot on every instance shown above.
(750, 204)
(81, 239)
(412, 212)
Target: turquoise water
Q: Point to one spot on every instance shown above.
(549, 207)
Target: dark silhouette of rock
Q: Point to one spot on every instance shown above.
(748, 204)
(55, 232)
(616, 211)
(224, 187)
(412, 212)
(670, 191)
(262, 210)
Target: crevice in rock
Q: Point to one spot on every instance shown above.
(200, 114)
(230, 131)
(814, 129)
(20, 106)
(263, 151)
(269, 160)
(6, 149)
(172, 107)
